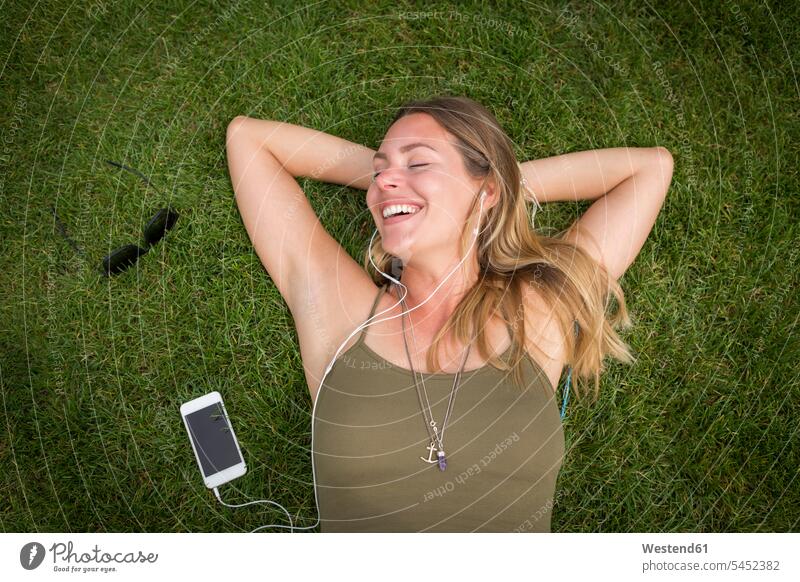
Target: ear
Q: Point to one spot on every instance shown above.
(492, 194)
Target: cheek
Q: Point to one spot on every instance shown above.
(435, 189)
(447, 198)
(431, 178)
(370, 199)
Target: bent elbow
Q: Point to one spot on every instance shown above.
(664, 157)
(235, 127)
(665, 162)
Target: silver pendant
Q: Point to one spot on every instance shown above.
(431, 449)
(440, 458)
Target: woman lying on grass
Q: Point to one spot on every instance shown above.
(441, 413)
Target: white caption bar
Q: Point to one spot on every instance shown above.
(399, 556)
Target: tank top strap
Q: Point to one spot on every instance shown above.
(513, 339)
(381, 290)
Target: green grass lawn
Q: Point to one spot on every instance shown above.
(700, 435)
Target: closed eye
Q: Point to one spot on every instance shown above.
(376, 174)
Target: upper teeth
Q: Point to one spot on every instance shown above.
(395, 208)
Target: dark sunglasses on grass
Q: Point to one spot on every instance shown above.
(123, 257)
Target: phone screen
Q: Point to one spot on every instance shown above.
(213, 439)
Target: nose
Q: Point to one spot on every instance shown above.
(389, 178)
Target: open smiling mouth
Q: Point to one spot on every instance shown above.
(402, 216)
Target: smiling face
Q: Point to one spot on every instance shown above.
(418, 165)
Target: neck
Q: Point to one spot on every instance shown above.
(421, 281)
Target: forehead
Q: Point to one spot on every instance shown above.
(414, 128)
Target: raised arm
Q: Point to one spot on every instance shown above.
(326, 290)
(629, 186)
(585, 175)
(308, 153)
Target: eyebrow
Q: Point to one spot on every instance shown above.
(404, 149)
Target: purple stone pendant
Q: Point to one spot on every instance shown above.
(442, 460)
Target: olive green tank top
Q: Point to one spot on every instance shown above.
(503, 446)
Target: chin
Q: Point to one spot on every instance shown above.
(399, 249)
(399, 245)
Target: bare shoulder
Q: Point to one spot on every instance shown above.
(544, 341)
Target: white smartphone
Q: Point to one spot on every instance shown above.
(213, 440)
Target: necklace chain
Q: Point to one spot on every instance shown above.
(437, 439)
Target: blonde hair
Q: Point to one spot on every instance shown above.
(576, 288)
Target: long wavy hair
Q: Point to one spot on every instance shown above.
(511, 256)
